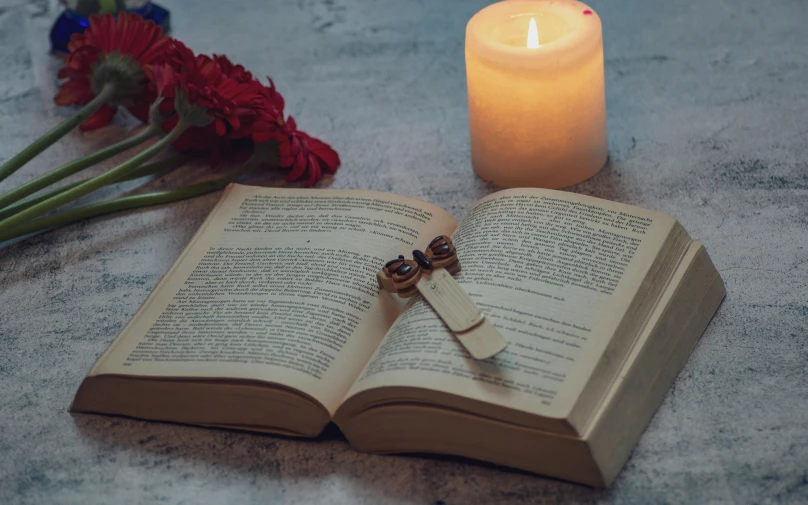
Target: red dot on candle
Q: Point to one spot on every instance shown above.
(587, 13)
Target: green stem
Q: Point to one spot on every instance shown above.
(71, 168)
(88, 186)
(148, 169)
(56, 133)
(128, 202)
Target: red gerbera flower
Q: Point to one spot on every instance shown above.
(237, 72)
(119, 52)
(240, 108)
(269, 123)
(305, 154)
(228, 92)
(297, 151)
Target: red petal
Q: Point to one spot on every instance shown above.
(100, 118)
(275, 98)
(234, 120)
(325, 153)
(157, 52)
(120, 32)
(162, 76)
(298, 169)
(99, 27)
(315, 174)
(287, 153)
(221, 127)
(76, 41)
(73, 92)
(261, 136)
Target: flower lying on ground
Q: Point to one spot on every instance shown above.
(195, 102)
(299, 152)
(116, 53)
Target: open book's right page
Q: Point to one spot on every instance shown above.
(555, 272)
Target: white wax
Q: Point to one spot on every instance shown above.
(537, 116)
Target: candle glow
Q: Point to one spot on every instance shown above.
(532, 35)
(537, 110)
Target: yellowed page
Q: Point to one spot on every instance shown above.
(555, 272)
(278, 285)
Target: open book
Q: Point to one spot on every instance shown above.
(271, 320)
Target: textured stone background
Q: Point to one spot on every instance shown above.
(708, 121)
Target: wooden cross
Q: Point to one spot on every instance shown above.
(430, 273)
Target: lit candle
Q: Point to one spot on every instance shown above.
(537, 107)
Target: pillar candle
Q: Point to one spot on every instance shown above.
(537, 108)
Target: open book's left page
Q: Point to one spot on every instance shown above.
(278, 285)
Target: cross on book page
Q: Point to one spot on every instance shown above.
(430, 274)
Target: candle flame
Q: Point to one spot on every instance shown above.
(532, 35)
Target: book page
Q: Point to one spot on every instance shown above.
(555, 272)
(278, 285)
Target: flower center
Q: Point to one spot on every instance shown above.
(120, 70)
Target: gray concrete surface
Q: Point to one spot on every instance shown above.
(708, 121)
